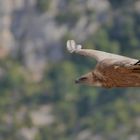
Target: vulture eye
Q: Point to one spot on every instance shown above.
(83, 78)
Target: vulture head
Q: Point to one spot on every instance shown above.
(89, 79)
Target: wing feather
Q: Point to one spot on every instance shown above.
(119, 73)
(72, 47)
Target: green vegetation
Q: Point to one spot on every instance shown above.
(43, 5)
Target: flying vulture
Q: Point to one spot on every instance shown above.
(111, 70)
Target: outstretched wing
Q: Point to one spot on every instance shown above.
(72, 47)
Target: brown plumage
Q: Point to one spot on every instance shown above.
(111, 70)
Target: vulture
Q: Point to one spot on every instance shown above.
(111, 70)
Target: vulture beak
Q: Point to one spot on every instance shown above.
(76, 81)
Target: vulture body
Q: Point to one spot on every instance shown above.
(111, 70)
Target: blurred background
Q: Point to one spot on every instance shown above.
(38, 97)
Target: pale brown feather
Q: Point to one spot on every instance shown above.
(119, 74)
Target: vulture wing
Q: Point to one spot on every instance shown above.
(72, 47)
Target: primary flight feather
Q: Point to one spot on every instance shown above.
(111, 70)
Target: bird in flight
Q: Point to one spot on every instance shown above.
(112, 70)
